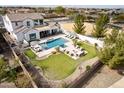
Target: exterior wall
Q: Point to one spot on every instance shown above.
(20, 36)
(54, 28)
(7, 23)
(31, 22)
(19, 24)
(24, 23)
(27, 37)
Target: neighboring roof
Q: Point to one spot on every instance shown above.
(23, 16)
(49, 15)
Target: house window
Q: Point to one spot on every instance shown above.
(35, 22)
(16, 23)
(32, 36)
(41, 21)
(28, 23)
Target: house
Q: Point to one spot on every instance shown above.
(29, 26)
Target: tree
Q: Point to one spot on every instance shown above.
(113, 52)
(100, 26)
(22, 81)
(3, 67)
(59, 10)
(111, 38)
(72, 15)
(75, 42)
(3, 11)
(79, 24)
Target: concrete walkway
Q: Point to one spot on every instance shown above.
(118, 84)
(104, 78)
(91, 40)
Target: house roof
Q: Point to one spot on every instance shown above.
(50, 26)
(23, 16)
(25, 29)
(22, 29)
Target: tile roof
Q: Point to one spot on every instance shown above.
(23, 16)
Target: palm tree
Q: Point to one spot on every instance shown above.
(100, 26)
(79, 24)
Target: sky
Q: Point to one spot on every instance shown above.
(83, 6)
(92, 6)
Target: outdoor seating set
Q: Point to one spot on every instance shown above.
(37, 48)
(71, 36)
(74, 51)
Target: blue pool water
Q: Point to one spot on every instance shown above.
(54, 43)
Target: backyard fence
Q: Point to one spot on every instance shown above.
(21, 64)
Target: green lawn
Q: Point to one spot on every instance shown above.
(1, 62)
(30, 54)
(91, 52)
(59, 66)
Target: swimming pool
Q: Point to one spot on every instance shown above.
(54, 43)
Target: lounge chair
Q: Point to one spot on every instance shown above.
(67, 36)
(72, 54)
(77, 55)
(71, 37)
(81, 49)
(67, 52)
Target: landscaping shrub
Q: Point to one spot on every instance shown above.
(88, 67)
(53, 52)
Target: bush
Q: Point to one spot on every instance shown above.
(79, 43)
(44, 68)
(57, 49)
(22, 81)
(64, 85)
(88, 67)
(53, 52)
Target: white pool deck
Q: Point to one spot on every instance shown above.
(44, 53)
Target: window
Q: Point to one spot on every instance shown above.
(35, 22)
(28, 23)
(32, 36)
(16, 23)
(41, 21)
